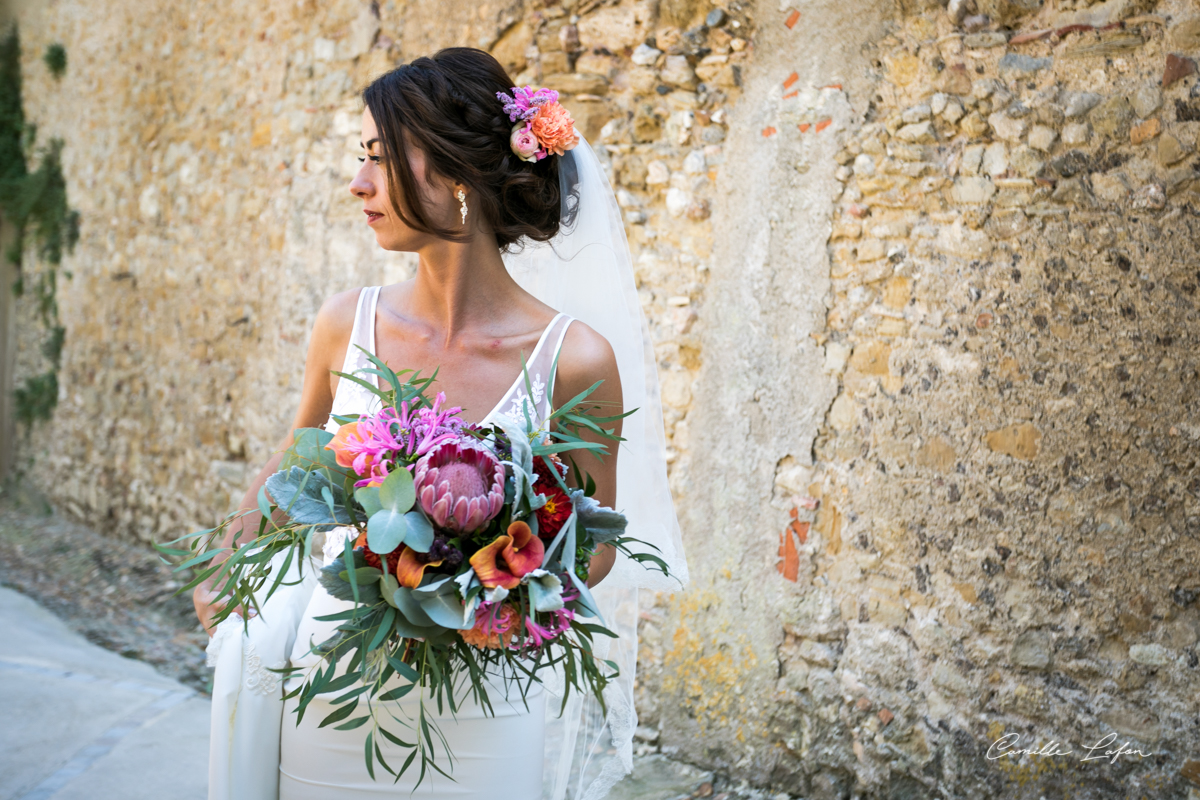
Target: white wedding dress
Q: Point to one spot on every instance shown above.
(504, 749)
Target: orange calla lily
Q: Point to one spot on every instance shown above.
(345, 458)
(409, 570)
(509, 557)
(526, 551)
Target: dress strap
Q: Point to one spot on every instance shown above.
(553, 365)
(349, 397)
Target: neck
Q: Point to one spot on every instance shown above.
(462, 285)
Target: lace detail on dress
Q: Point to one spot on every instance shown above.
(257, 678)
(521, 399)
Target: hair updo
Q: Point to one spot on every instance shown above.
(446, 106)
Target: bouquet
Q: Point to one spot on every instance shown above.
(466, 551)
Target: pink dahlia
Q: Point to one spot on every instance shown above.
(460, 486)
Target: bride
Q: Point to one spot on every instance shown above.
(522, 261)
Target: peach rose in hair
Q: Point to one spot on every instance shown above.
(554, 129)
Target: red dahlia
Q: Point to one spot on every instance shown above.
(554, 514)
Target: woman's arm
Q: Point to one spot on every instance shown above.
(326, 351)
(586, 358)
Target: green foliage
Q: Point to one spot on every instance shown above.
(34, 203)
(56, 59)
(37, 398)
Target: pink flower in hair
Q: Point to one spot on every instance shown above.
(524, 143)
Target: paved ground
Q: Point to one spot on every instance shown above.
(82, 722)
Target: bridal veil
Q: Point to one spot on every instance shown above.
(586, 272)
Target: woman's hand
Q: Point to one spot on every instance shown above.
(209, 605)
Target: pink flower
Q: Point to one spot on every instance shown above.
(493, 626)
(374, 444)
(554, 129)
(524, 143)
(460, 486)
(560, 623)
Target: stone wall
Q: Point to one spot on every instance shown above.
(922, 285)
(962, 431)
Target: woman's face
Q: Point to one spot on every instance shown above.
(370, 185)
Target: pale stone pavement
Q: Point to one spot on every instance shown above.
(78, 722)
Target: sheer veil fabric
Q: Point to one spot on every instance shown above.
(586, 272)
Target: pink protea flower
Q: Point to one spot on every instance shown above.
(460, 486)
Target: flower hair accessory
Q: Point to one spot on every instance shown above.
(542, 126)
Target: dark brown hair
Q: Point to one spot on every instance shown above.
(446, 106)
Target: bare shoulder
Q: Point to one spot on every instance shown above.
(335, 320)
(587, 357)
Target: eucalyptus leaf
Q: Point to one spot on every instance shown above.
(368, 498)
(410, 607)
(420, 532)
(397, 492)
(388, 587)
(447, 611)
(434, 585)
(386, 530)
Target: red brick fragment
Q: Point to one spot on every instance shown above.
(837, 86)
(769, 131)
(794, 513)
(792, 93)
(804, 126)
(801, 531)
(1177, 67)
(1030, 36)
(823, 124)
(863, 704)
(792, 19)
(886, 716)
(984, 320)
(789, 565)
(787, 84)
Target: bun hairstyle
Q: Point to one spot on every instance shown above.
(446, 106)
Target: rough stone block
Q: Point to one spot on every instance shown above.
(1112, 117)
(1006, 127)
(1019, 64)
(1032, 650)
(1026, 161)
(1042, 138)
(920, 132)
(972, 190)
(1171, 150)
(1110, 187)
(1076, 133)
(1146, 100)
(1080, 103)
(1144, 132)
(995, 159)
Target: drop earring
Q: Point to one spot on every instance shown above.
(463, 199)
